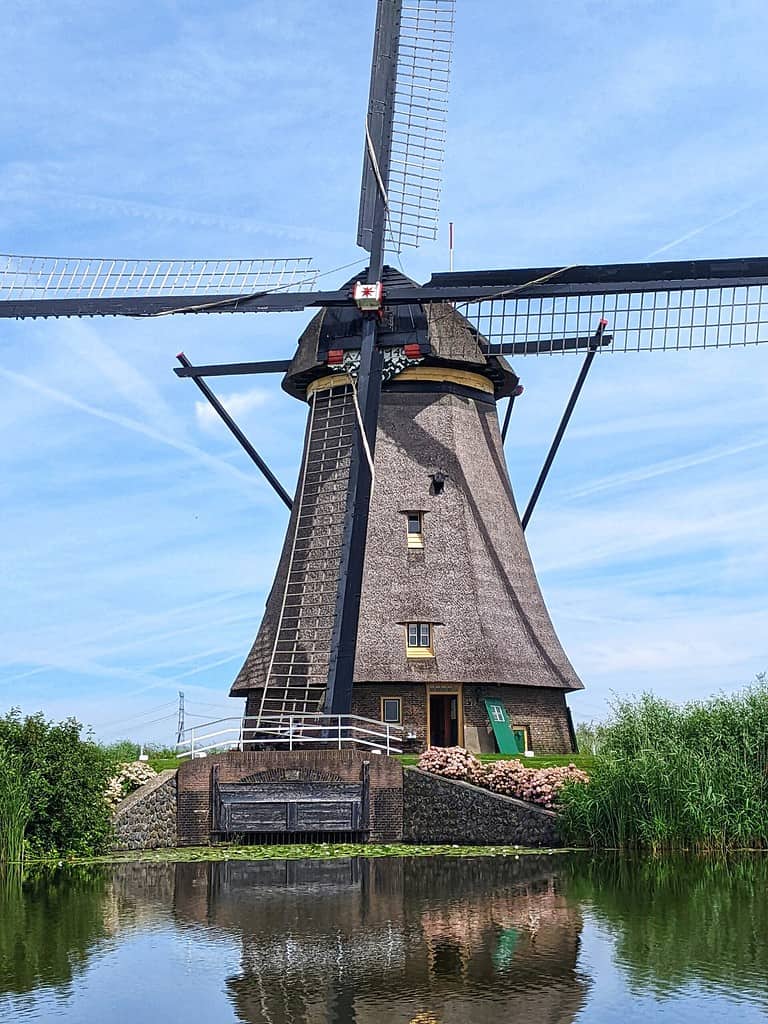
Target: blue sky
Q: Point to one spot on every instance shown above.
(138, 544)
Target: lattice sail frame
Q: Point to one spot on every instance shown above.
(45, 277)
(641, 321)
(419, 122)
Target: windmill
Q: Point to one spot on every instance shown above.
(402, 382)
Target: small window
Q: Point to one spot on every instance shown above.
(415, 529)
(497, 713)
(391, 710)
(419, 640)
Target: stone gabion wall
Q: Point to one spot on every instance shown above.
(146, 820)
(438, 810)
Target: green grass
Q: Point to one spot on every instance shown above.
(308, 851)
(584, 761)
(161, 764)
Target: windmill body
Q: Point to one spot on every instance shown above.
(446, 563)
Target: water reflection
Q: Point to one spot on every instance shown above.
(53, 921)
(388, 940)
(408, 941)
(49, 923)
(681, 921)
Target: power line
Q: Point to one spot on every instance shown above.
(207, 704)
(154, 721)
(207, 717)
(131, 718)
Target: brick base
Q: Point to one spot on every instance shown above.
(541, 710)
(194, 785)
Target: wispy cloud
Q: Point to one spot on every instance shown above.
(666, 467)
(127, 423)
(238, 404)
(694, 232)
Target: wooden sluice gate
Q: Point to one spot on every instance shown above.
(290, 808)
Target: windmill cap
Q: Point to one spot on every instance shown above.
(438, 330)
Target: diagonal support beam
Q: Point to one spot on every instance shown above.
(237, 432)
(510, 406)
(597, 341)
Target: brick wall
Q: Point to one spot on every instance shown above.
(366, 702)
(542, 710)
(194, 785)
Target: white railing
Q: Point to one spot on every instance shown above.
(291, 732)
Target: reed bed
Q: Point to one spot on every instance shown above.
(669, 777)
(15, 809)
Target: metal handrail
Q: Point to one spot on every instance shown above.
(335, 731)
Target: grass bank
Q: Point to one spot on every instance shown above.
(691, 777)
(161, 764)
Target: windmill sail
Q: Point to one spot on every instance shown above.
(648, 307)
(64, 286)
(407, 135)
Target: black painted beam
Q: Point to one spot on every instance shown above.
(338, 700)
(167, 305)
(233, 369)
(594, 349)
(510, 407)
(468, 286)
(608, 278)
(523, 348)
(272, 480)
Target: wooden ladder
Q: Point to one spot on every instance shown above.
(298, 669)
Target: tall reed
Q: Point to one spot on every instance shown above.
(677, 777)
(15, 809)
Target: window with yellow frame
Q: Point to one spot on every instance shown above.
(419, 640)
(415, 529)
(392, 710)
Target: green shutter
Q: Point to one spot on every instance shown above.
(507, 741)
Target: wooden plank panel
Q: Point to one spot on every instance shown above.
(325, 816)
(258, 817)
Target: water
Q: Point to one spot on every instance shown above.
(546, 939)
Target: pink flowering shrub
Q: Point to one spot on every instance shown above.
(536, 785)
(510, 778)
(453, 763)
